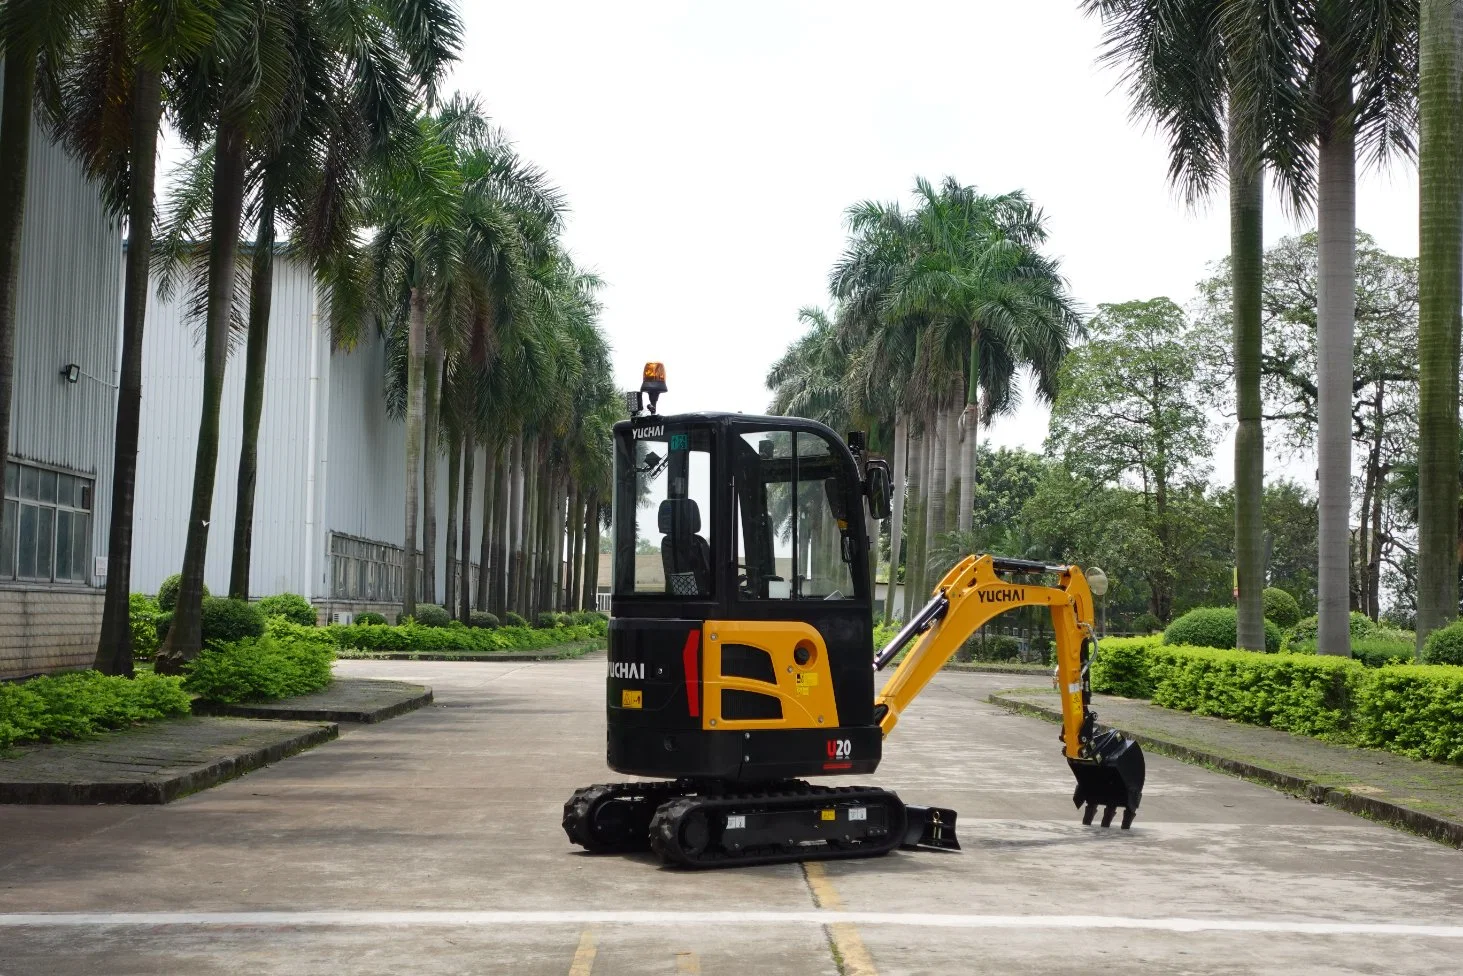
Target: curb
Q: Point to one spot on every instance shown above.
(303, 714)
(173, 788)
(508, 657)
(972, 668)
(1427, 825)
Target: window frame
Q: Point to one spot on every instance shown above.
(39, 480)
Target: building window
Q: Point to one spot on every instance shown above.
(364, 571)
(47, 531)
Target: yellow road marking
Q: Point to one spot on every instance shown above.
(848, 949)
(687, 964)
(583, 963)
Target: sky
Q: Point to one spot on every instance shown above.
(709, 151)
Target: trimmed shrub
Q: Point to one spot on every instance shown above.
(81, 704)
(290, 606)
(591, 618)
(1375, 652)
(431, 615)
(1146, 623)
(1445, 646)
(1303, 693)
(1304, 632)
(277, 665)
(1412, 709)
(1121, 667)
(370, 619)
(226, 620)
(483, 620)
(1214, 627)
(511, 619)
(416, 638)
(547, 620)
(998, 648)
(1281, 608)
(163, 623)
(167, 592)
(142, 614)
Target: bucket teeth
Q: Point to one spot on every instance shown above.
(1113, 778)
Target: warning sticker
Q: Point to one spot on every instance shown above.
(806, 680)
(828, 814)
(630, 699)
(736, 821)
(858, 813)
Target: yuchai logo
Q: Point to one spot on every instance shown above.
(627, 669)
(1011, 595)
(642, 432)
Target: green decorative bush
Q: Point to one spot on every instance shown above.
(226, 620)
(167, 592)
(1375, 652)
(414, 638)
(483, 620)
(278, 665)
(592, 617)
(1146, 623)
(1214, 627)
(1445, 646)
(1281, 608)
(1121, 667)
(370, 619)
(290, 606)
(1304, 632)
(163, 623)
(1413, 709)
(431, 615)
(142, 614)
(81, 704)
(547, 620)
(511, 619)
(998, 648)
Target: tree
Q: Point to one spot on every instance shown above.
(1130, 413)
(1440, 166)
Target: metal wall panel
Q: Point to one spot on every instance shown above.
(67, 312)
(172, 398)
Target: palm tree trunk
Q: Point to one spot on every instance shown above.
(503, 528)
(492, 480)
(523, 570)
(896, 515)
(952, 467)
(915, 519)
(261, 298)
(511, 536)
(938, 486)
(1247, 255)
(416, 337)
(1335, 314)
(574, 526)
(185, 636)
(454, 491)
(114, 649)
(969, 438)
(432, 432)
(469, 462)
(590, 595)
(1440, 166)
(15, 124)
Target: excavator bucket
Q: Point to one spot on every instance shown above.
(1113, 779)
(930, 827)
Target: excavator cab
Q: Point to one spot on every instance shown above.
(741, 657)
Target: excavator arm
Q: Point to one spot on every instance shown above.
(1109, 768)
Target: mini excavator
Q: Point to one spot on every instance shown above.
(741, 654)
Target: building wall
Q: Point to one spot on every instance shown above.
(67, 312)
(172, 398)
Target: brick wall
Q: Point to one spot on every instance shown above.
(48, 628)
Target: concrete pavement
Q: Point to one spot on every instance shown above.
(455, 809)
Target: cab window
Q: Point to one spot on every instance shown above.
(662, 532)
(793, 499)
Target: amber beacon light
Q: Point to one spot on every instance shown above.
(653, 382)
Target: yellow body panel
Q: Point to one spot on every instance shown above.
(805, 690)
(976, 596)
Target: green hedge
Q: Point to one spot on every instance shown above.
(1445, 646)
(289, 660)
(414, 637)
(81, 704)
(291, 606)
(1414, 710)
(142, 616)
(167, 592)
(1215, 627)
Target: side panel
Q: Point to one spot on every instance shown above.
(802, 682)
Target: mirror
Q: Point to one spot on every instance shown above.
(878, 489)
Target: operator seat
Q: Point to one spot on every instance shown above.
(685, 555)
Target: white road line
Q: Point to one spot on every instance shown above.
(474, 919)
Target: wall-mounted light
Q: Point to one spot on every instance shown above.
(72, 372)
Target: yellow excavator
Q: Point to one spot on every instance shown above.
(741, 657)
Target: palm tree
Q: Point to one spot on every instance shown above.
(32, 33)
(1199, 77)
(106, 104)
(1441, 256)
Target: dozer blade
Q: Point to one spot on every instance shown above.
(1113, 779)
(930, 827)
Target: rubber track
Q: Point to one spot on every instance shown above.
(665, 828)
(580, 808)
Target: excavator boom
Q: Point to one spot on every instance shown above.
(1109, 768)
